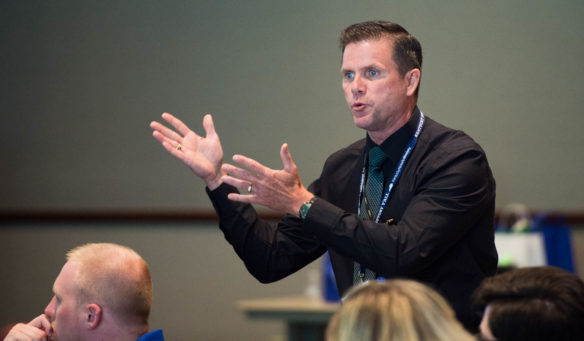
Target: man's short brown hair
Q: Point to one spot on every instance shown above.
(407, 51)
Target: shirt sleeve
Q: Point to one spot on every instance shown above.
(270, 250)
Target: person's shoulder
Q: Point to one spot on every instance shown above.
(339, 166)
(440, 137)
(354, 149)
(348, 153)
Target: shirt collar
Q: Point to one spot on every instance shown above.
(395, 144)
(155, 335)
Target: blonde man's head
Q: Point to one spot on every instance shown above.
(115, 277)
(396, 310)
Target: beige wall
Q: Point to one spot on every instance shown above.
(81, 80)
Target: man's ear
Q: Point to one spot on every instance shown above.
(413, 79)
(94, 315)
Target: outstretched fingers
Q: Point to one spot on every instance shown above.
(176, 123)
(242, 185)
(251, 164)
(161, 132)
(238, 174)
(242, 178)
(171, 140)
(173, 148)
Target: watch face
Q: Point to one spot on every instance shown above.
(305, 207)
(304, 210)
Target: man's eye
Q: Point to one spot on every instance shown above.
(349, 75)
(373, 73)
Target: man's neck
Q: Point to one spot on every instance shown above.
(379, 136)
(118, 332)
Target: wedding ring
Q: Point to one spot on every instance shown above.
(179, 146)
(249, 188)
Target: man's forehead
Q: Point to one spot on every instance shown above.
(364, 51)
(385, 39)
(65, 279)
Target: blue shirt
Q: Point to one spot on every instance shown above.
(155, 335)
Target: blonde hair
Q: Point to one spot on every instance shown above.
(396, 310)
(115, 277)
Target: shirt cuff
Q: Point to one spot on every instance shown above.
(322, 218)
(219, 198)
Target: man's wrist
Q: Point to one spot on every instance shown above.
(305, 207)
(215, 181)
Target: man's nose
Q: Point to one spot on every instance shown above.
(50, 308)
(358, 86)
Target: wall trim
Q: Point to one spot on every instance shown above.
(193, 216)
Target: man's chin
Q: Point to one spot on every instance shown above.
(361, 122)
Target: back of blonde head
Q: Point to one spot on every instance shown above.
(396, 310)
(116, 278)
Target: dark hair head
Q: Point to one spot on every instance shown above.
(534, 303)
(407, 51)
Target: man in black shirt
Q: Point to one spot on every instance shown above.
(424, 210)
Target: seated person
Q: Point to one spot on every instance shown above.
(103, 292)
(395, 310)
(533, 303)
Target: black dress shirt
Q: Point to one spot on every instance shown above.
(437, 227)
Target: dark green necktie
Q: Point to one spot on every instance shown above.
(371, 200)
(374, 185)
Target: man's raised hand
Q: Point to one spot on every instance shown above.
(280, 190)
(203, 155)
